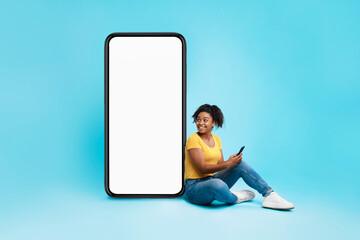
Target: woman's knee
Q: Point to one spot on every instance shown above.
(241, 165)
(218, 185)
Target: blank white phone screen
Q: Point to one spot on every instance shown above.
(145, 114)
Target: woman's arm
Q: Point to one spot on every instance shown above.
(197, 157)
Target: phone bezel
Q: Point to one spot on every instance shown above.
(106, 112)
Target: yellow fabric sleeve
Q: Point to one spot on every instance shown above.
(192, 142)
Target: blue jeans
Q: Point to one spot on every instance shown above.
(203, 191)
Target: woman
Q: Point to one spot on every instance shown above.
(204, 157)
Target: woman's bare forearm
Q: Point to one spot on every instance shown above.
(212, 168)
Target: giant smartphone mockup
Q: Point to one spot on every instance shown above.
(145, 115)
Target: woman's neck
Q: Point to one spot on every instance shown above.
(206, 136)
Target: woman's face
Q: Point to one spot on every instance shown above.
(205, 123)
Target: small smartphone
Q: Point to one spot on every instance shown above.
(241, 149)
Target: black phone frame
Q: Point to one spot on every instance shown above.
(106, 112)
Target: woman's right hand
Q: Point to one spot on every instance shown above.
(234, 159)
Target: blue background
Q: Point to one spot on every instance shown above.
(285, 74)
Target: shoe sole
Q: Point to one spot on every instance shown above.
(248, 199)
(277, 207)
(251, 193)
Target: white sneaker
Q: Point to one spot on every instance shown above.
(243, 195)
(276, 202)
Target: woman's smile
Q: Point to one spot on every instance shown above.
(202, 128)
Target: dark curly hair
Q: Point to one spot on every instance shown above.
(214, 111)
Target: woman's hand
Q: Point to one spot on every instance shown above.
(234, 160)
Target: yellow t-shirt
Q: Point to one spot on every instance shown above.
(212, 155)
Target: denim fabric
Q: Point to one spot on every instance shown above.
(203, 191)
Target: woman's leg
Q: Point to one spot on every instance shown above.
(209, 189)
(251, 178)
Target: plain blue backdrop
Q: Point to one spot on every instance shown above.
(286, 75)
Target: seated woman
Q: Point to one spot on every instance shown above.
(204, 157)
